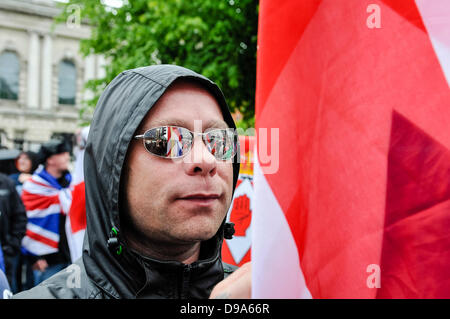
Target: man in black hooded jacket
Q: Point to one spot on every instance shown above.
(155, 212)
(13, 222)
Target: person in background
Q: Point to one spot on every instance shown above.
(5, 290)
(13, 222)
(47, 199)
(2, 261)
(26, 164)
(80, 147)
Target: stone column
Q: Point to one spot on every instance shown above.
(46, 76)
(89, 74)
(33, 71)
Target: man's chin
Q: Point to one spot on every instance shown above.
(196, 236)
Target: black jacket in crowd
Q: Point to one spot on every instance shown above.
(108, 267)
(13, 221)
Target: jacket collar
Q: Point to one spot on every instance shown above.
(145, 277)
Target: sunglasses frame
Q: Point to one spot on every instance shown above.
(193, 136)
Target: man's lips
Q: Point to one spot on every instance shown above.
(200, 199)
(201, 196)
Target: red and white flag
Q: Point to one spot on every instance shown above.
(352, 196)
(76, 219)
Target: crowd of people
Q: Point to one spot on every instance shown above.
(34, 203)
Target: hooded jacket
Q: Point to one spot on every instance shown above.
(108, 268)
(13, 221)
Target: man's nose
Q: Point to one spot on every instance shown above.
(200, 161)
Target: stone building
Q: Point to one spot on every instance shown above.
(42, 73)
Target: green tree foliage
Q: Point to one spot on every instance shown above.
(216, 38)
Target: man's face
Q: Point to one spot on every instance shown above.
(178, 200)
(59, 162)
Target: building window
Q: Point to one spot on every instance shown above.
(67, 82)
(19, 138)
(9, 75)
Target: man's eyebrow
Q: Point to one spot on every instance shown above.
(216, 124)
(165, 122)
(184, 123)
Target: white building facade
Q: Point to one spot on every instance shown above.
(42, 73)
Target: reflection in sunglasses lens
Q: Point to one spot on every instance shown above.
(174, 142)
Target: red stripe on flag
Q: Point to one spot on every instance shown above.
(41, 239)
(77, 212)
(279, 30)
(37, 201)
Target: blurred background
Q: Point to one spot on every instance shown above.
(56, 57)
(42, 76)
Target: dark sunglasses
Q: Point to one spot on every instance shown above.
(176, 142)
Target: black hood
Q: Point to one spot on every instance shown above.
(120, 110)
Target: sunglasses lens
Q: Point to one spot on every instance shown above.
(175, 142)
(221, 143)
(168, 141)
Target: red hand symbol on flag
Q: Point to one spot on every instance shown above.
(241, 215)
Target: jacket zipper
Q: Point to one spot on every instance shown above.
(184, 292)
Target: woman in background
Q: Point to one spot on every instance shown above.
(26, 164)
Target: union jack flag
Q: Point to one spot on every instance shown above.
(44, 201)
